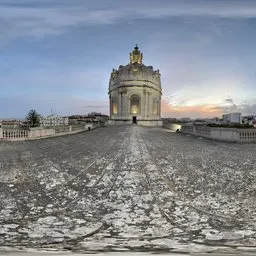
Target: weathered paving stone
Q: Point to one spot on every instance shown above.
(128, 188)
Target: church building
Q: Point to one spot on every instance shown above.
(135, 93)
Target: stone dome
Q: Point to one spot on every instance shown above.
(135, 71)
(135, 92)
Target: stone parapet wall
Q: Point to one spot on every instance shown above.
(221, 134)
(172, 126)
(150, 122)
(226, 134)
(41, 133)
(139, 122)
(19, 135)
(119, 122)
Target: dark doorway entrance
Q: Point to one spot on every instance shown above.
(134, 119)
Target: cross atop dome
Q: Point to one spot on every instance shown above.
(136, 56)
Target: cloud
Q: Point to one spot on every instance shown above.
(192, 9)
(56, 17)
(249, 109)
(203, 72)
(229, 100)
(196, 111)
(196, 84)
(245, 109)
(39, 22)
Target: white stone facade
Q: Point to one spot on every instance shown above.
(53, 120)
(135, 93)
(232, 118)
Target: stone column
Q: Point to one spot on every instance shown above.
(143, 103)
(110, 107)
(146, 104)
(1, 133)
(119, 106)
(150, 105)
(125, 105)
(159, 110)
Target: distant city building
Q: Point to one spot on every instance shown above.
(54, 120)
(135, 93)
(199, 122)
(232, 118)
(98, 116)
(185, 119)
(170, 120)
(251, 120)
(76, 117)
(94, 114)
(10, 124)
(214, 120)
(91, 117)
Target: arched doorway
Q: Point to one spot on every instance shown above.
(114, 109)
(135, 104)
(135, 107)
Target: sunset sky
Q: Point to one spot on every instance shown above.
(58, 54)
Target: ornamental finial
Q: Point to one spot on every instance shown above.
(136, 56)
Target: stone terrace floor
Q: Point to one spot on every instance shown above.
(128, 188)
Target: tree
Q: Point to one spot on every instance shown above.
(33, 118)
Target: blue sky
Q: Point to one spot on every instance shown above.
(58, 54)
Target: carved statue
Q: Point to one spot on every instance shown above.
(113, 74)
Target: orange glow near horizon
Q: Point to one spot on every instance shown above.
(204, 110)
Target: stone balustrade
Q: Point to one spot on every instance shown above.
(35, 133)
(216, 133)
(247, 135)
(14, 133)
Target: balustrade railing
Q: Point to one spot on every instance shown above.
(248, 135)
(219, 133)
(188, 128)
(19, 134)
(15, 133)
